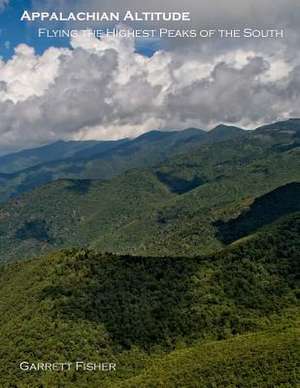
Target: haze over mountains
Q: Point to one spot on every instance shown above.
(25, 170)
(186, 183)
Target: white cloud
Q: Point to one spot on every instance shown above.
(27, 74)
(105, 90)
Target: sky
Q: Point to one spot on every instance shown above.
(87, 88)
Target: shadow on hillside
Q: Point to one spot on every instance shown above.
(141, 301)
(80, 186)
(158, 302)
(264, 210)
(34, 229)
(179, 185)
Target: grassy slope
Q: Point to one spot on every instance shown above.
(264, 359)
(79, 305)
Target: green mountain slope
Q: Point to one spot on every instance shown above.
(202, 287)
(224, 132)
(75, 213)
(21, 160)
(79, 305)
(84, 150)
(89, 160)
(185, 224)
(287, 125)
(263, 211)
(104, 159)
(267, 359)
(171, 209)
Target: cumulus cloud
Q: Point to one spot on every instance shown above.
(26, 74)
(103, 89)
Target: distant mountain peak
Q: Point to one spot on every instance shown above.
(161, 134)
(225, 132)
(225, 127)
(153, 135)
(292, 124)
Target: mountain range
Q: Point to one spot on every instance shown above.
(174, 255)
(25, 170)
(173, 208)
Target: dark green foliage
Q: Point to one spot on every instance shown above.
(80, 186)
(78, 304)
(217, 318)
(136, 213)
(36, 229)
(263, 211)
(258, 360)
(154, 301)
(31, 182)
(179, 185)
(140, 301)
(286, 147)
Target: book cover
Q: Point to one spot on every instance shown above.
(149, 193)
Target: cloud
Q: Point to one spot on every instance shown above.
(26, 74)
(103, 89)
(261, 14)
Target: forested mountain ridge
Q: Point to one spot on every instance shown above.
(171, 209)
(29, 169)
(72, 150)
(100, 160)
(191, 259)
(238, 307)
